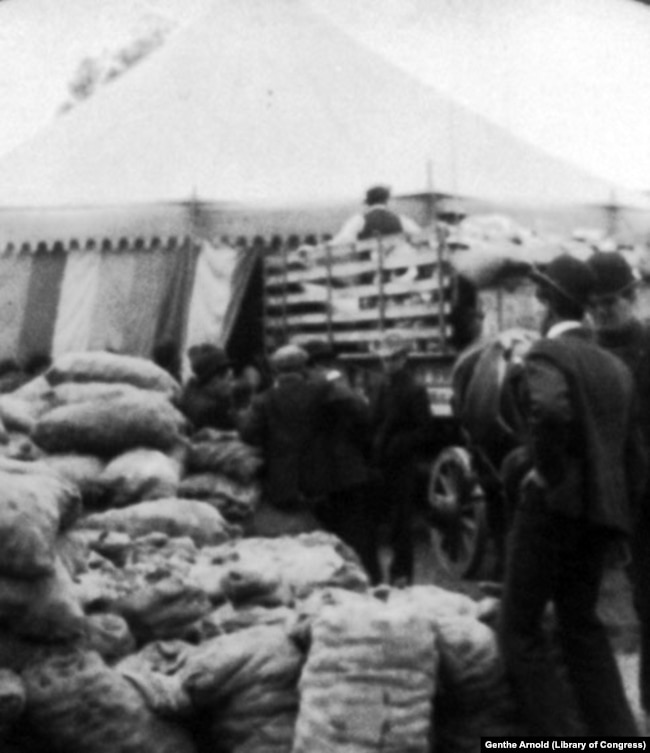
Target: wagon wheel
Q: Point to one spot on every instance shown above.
(457, 513)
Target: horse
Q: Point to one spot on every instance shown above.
(483, 402)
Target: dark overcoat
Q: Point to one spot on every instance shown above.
(284, 422)
(583, 430)
(401, 421)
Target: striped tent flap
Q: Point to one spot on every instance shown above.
(349, 294)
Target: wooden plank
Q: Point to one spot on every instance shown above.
(417, 311)
(318, 252)
(318, 293)
(368, 333)
(374, 335)
(352, 268)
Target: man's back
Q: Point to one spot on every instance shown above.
(284, 421)
(381, 221)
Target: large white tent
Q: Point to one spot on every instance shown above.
(261, 118)
(265, 109)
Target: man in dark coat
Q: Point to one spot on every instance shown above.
(578, 406)
(345, 440)
(284, 422)
(619, 330)
(206, 399)
(401, 424)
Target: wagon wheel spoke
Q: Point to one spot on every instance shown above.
(457, 514)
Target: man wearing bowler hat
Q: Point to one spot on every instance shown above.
(620, 330)
(577, 402)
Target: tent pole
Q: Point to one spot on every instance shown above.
(439, 233)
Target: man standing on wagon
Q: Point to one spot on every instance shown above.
(378, 219)
(578, 405)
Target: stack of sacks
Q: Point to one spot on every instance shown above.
(76, 703)
(287, 568)
(90, 408)
(146, 582)
(36, 594)
(176, 588)
(475, 698)
(369, 680)
(223, 471)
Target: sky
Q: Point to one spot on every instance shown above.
(571, 76)
(42, 43)
(567, 75)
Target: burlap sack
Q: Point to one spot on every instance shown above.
(100, 366)
(70, 393)
(247, 681)
(110, 427)
(139, 475)
(228, 456)
(12, 697)
(305, 562)
(475, 698)
(174, 517)
(80, 705)
(369, 680)
(470, 662)
(160, 657)
(44, 608)
(109, 635)
(229, 618)
(16, 651)
(4, 434)
(21, 414)
(163, 610)
(255, 586)
(21, 447)
(80, 469)
(235, 501)
(35, 504)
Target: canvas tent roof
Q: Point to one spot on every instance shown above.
(553, 73)
(267, 104)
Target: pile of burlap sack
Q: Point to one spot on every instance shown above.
(109, 424)
(135, 616)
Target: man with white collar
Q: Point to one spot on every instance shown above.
(577, 402)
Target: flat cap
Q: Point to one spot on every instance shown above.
(289, 358)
